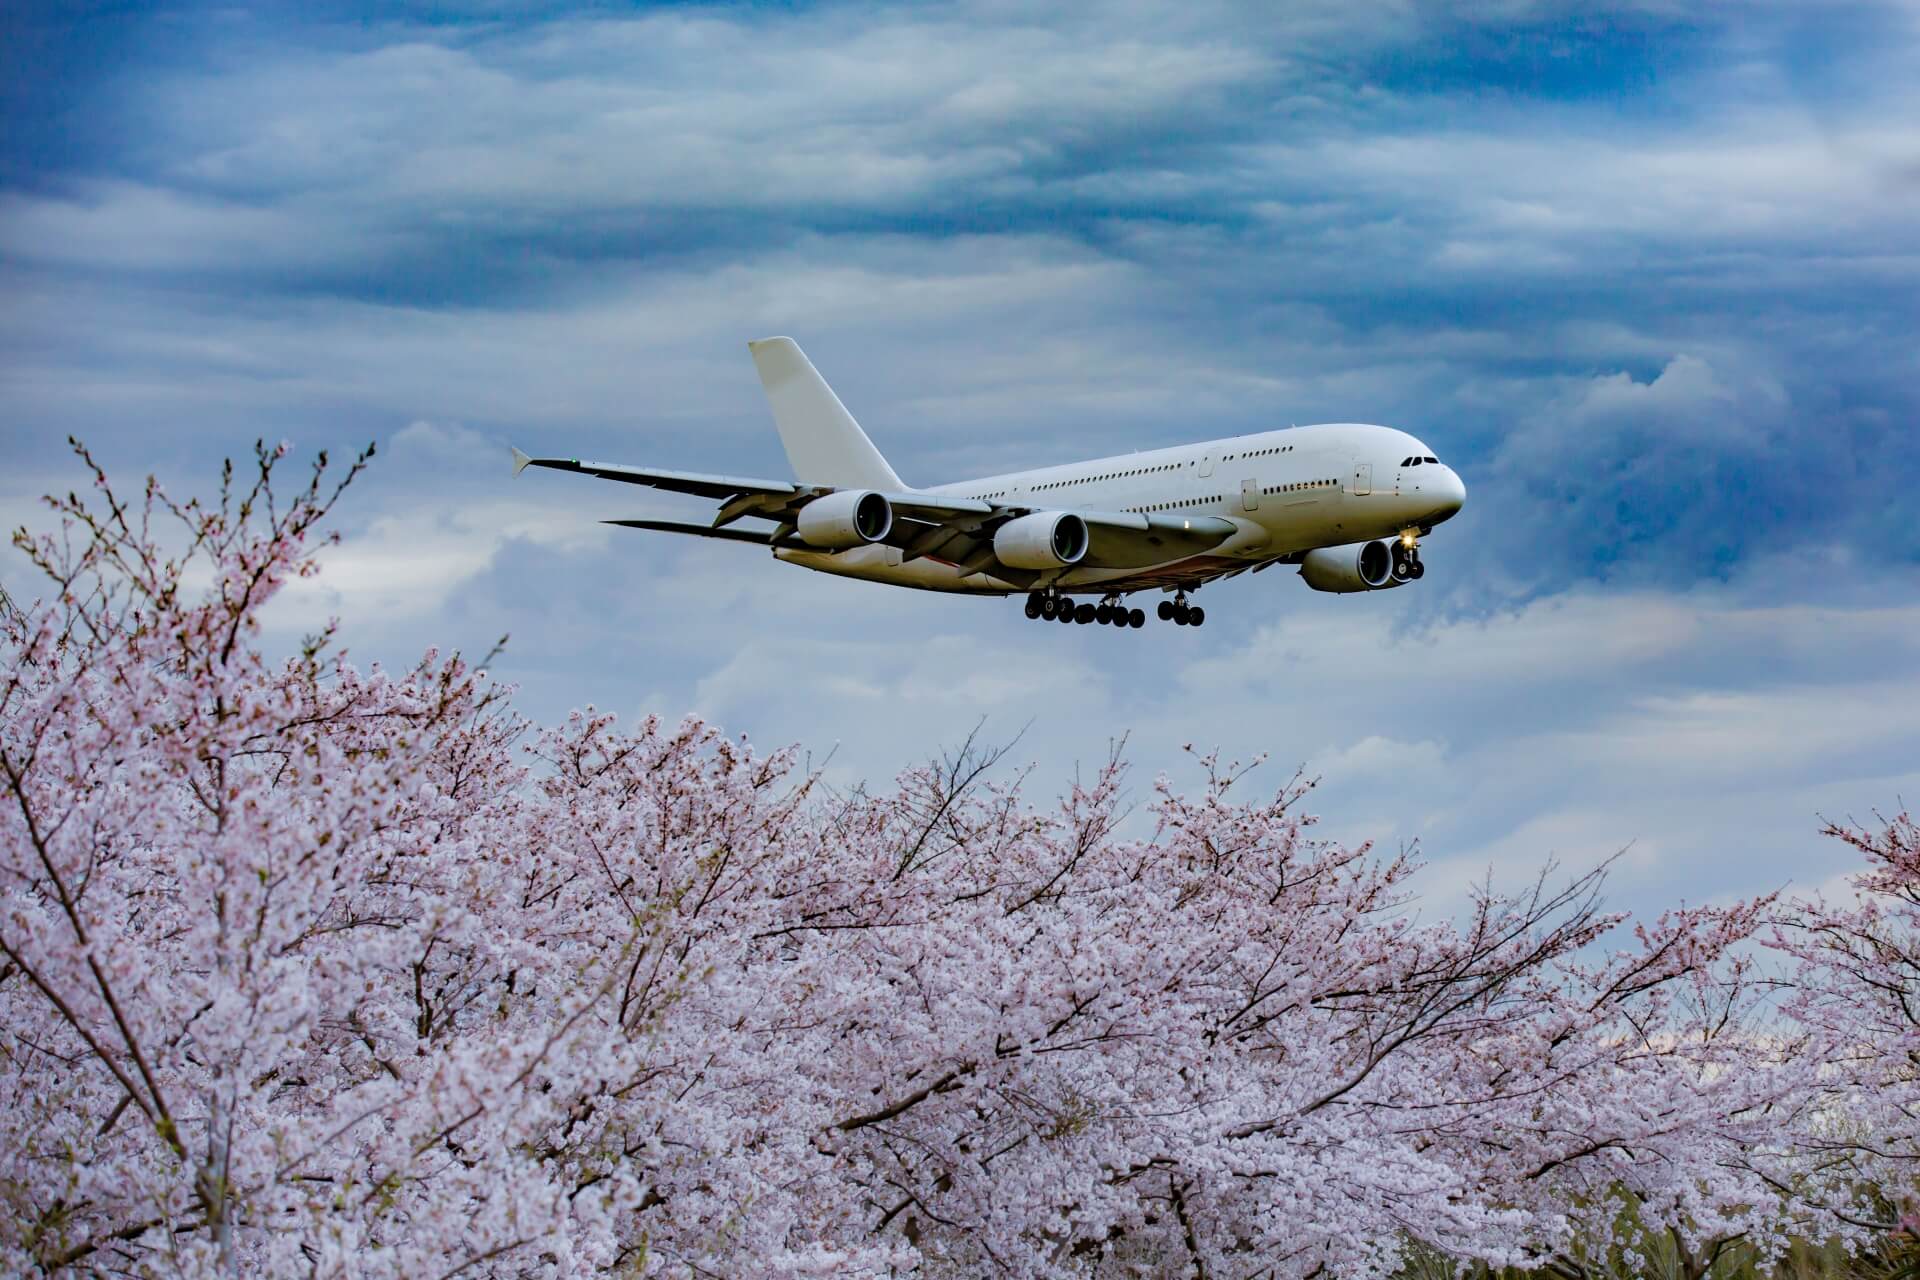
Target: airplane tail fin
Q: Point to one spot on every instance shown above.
(823, 442)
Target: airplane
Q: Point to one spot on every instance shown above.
(1345, 502)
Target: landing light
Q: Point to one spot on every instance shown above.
(1406, 540)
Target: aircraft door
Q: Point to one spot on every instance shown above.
(1249, 495)
(1362, 478)
(1206, 465)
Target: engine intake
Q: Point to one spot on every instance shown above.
(1357, 566)
(849, 518)
(1043, 540)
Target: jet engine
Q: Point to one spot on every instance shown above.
(849, 518)
(1043, 540)
(1358, 566)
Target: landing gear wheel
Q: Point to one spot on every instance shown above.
(1103, 613)
(1181, 614)
(1137, 619)
(1064, 611)
(1402, 562)
(1035, 604)
(1083, 614)
(1048, 607)
(1196, 616)
(1166, 610)
(1419, 569)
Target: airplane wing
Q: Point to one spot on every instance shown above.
(775, 499)
(953, 529)
(1126, 540)
(705, 486)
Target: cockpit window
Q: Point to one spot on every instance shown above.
(1435, 461)
(1407, 462)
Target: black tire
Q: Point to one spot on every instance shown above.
(1065, 613)
(1403, 569)
(1419, 569)
(1033, 606)
(1046, 608)
(1180, 614)
(1137, 619)
(1166, 610)
(1083, 615)
(1196, 616)
(1103, 613)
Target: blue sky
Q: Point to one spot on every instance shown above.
(1645, 274)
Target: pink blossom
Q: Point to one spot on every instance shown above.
(307, 969)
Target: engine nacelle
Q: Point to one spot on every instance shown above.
(849, 518)
(1358, 566)
(1043, 540)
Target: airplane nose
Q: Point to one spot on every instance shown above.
(1449, 495)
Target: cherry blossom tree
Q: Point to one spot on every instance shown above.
(1857, 989)
(262, 923)
(312, 970)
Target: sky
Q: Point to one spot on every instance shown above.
(1644, 274)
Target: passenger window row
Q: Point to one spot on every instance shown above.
(1112, 475)
(1304, 484)
(1174, 466)
(1144, 471)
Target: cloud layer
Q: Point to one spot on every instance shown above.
(1646, 279)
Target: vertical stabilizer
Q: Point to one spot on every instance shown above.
(824, 443)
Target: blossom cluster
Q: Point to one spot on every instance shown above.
(312, 970)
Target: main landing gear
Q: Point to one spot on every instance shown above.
(1051, 606)
(1180, 613)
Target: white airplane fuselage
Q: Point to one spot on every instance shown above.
(1288, 491)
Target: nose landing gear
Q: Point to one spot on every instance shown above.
(1406, 559)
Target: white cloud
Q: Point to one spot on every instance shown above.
(1750, 173)
(1009, 239)
(407, 565)
(686, 109)
(118, 224)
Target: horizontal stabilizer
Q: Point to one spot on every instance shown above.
(704, 531)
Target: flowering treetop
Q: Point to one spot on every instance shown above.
(305, 969)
